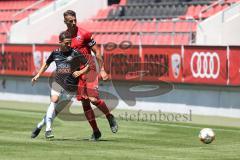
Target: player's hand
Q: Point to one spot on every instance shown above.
(104, 75)
(76, 74)
(34, 79)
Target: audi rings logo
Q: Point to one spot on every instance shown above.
(207, 65)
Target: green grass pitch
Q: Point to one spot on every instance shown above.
(136, 140)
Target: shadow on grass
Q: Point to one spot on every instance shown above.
(79, 139)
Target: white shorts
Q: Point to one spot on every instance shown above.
(58, 90)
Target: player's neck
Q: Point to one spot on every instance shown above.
(65, 51)
(73, 31)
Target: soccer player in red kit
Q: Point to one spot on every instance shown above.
(83, 41)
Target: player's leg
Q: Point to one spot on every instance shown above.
(50, 115)
(59, 107)
(47, 119)
(61, 96)
(42, 123)
(63, 101)
(91, 119)
(37, 130)
(101, 105)
(93, 95)
(88, 111)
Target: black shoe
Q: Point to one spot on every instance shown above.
(49, 134)
(113, 123)
(35, 132)
(96, 136)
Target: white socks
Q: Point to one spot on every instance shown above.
(42, 123)
(49, 116)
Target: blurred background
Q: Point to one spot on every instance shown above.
(187, 50)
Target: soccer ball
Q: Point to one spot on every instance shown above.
(206, 135)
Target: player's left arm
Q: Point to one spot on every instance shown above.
(42, 70)
(97, 52)
(82, 71)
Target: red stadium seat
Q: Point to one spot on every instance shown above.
(3, 38)
(166, 26)
(190, 11)
(134, 38)
(115, 28)
(122, 26)
(149, 39)
(150, 27)
(185, 26)
(181, 39)
(129, 25)
(10, 7)
(123, 2)
(5, 27)
(97, 38)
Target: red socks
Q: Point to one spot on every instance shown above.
(103, 107)
(90, 115)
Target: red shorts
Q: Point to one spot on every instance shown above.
(88, 86)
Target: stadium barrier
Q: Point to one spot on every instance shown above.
(205, 65)
(162, 63)
(213, 65)
(234, 65)
(122, 64)
(16, 60)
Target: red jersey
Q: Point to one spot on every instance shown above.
(88, 84)
(83, 42)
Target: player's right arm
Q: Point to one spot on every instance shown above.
(84, 62)
(41, 71)
(43, 68)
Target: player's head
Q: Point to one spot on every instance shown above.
(65, 41)
(70, 19)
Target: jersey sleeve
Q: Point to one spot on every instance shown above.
(89, 39)
(81, 58)
(50, 58)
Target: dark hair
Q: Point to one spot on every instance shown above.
(63, 35)
(69, 12)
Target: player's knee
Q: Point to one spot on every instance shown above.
(86, 105)
(93, 99)
(54, 99)
(85, 102)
